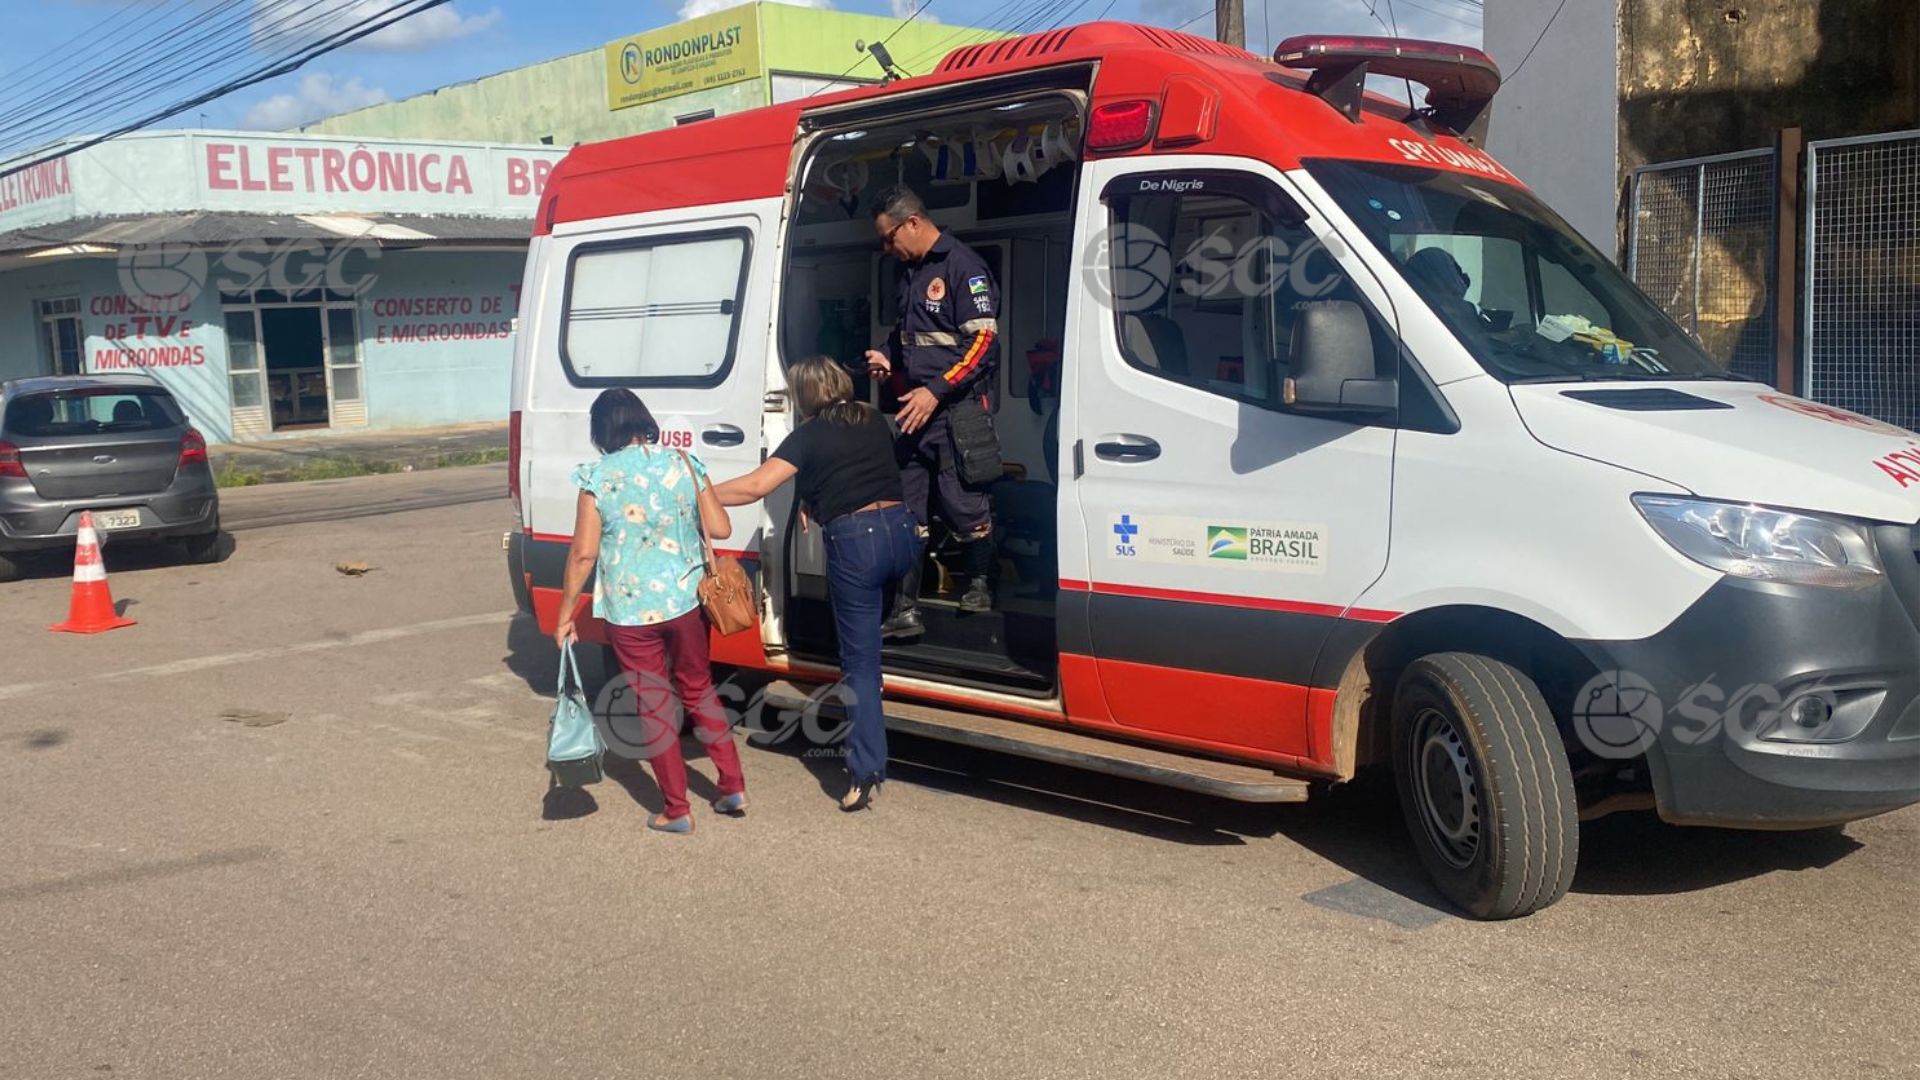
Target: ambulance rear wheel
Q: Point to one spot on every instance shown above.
(1484, 784)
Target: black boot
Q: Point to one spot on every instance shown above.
(904, 622)
(979, 562)
(978, 598)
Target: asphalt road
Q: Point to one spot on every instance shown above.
(296, 824)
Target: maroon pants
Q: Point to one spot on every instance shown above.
(666, 664)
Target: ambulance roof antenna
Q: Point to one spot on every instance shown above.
(878, 50)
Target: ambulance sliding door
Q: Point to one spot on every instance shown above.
(1222, 537)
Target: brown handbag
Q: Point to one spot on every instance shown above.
(726, 593)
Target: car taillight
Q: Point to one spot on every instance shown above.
(513, 463)
(193, 449)
(1120, 125)
(10, 464)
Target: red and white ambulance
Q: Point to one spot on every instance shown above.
(1328, 446)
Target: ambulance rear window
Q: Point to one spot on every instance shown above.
(658, 311)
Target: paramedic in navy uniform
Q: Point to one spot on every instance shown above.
(942, 351)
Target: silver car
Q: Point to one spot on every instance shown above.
(118, 445)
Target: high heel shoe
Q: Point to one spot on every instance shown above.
(859, 796)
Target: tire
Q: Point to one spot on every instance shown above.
(202, 549)
(9, 567)
(1484, 784)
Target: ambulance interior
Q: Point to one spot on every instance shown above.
(1001, 179)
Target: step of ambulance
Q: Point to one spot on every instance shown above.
(1241, 783)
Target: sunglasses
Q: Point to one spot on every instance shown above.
(886, 238)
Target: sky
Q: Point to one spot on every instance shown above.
(467, 39)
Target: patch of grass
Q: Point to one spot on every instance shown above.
(489, 456)
(232, 475)
(339, 468)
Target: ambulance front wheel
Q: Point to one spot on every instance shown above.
(1484, 783)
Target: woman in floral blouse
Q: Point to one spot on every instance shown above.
(635, 525)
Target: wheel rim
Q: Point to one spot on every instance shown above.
(1446, 787)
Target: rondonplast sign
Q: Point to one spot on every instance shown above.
(698, 54)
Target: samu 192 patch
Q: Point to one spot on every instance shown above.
(977, 285)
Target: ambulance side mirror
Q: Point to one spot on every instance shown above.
(1334, 368)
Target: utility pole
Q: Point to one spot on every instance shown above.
(1230, 22)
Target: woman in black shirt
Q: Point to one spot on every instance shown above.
(842, 458)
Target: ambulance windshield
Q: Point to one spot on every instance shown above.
(1530, 298)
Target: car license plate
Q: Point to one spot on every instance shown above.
(117, 519)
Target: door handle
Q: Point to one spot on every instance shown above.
(722, 435)
(1137, 448)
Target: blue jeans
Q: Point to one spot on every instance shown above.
(865, 552)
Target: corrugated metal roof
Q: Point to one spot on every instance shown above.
(219, 230)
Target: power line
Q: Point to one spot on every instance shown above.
(1449, 16)
(912, 15)
(1411, 101)
(87, 90)
(1368, 4)
(1536, 41)
(1068, 14)
(997, 21)
(21, 126)
(102, 30)
(373, 24)
(296, 24)
(1195, 19)
(73, 82)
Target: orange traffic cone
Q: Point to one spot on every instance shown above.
(91, 611)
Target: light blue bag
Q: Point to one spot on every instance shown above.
(573, 743)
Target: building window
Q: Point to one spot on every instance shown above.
(661, 311)
(1207, 281)
(66, 342)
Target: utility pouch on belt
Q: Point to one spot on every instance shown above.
(976, 449)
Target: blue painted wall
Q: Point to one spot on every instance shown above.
(180, 343)
(436, 337)
(435, 329)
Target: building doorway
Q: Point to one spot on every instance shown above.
(296, 355)
(293, 360)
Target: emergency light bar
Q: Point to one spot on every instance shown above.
(1460, 81)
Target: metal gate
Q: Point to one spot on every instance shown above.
(1862, 307)
(1701, 242)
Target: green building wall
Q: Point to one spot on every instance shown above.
(565, 99)
(808, 41)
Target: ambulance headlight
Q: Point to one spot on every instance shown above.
(1765, 544)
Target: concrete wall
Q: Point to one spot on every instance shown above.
(179, 343)
(1621, 83)
(564, 99)
(436, 337)
(1704, 77)
(1553, 123)
(151, 172)
(809, 41)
